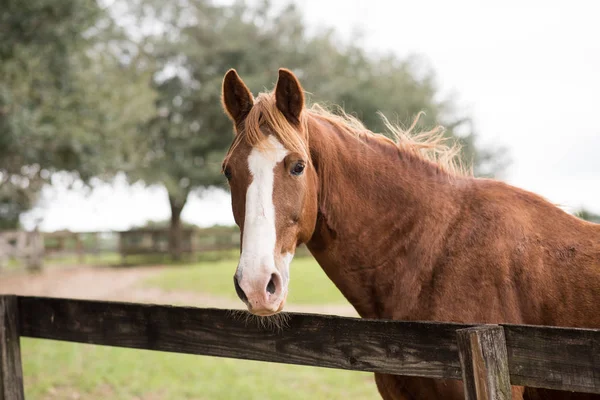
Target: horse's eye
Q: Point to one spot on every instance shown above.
(298, 168)
(227, 173)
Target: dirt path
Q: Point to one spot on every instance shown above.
(122, 284)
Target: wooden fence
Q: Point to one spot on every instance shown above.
(138, 241)
(67, 244)
(487, 358)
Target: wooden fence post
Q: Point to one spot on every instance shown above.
(11, 372)
(4, 251)
(484, 362)
(35, 253)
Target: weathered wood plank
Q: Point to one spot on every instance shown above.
(484, 362)
(561, 358)
(11, 372)
(404, 348)
(545, 357)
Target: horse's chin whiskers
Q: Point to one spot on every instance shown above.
(275, 322)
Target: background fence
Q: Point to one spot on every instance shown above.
(487, 358)
(32, 248)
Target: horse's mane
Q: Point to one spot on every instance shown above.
(429, 145)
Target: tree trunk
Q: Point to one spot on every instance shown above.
(175, 229)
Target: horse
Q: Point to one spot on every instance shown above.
(402, 230)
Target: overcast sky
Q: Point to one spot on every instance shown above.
(527, 71)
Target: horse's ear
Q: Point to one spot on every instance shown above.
(289, 96)
(237, 98)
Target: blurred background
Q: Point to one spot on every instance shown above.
(112, 136)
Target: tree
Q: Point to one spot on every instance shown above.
(198, 42)
(588, 215)
(68, 96)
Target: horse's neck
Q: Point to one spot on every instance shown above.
(382, 218)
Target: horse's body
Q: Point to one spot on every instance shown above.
(404, 238)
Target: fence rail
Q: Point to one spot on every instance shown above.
(544, 357)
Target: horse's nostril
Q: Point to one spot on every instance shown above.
(239, 290)
(271, 285)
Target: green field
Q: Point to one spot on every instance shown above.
(57, 370)
(308, 282)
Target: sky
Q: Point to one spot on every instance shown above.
(528, 72)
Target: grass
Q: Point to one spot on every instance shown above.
(101, 259)
(105, 258)
(59, 370)
(115, 259)
(308, 282)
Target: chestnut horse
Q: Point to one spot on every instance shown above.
(399, 229)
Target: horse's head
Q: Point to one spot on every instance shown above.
(273, 187)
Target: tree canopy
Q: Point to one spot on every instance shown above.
(587, 215)
(68, 97)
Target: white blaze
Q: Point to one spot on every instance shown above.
(258, 247)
